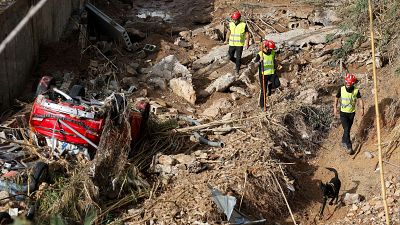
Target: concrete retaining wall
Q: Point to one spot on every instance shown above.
(21, 55)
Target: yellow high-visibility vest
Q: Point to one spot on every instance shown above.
(348, 100)
(268, 63)
(237, 34)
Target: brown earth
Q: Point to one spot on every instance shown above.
(255, 146)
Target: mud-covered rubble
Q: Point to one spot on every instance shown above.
(371, 211)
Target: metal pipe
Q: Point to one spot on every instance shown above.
(204, 140)
(79, 134)
(62, 93)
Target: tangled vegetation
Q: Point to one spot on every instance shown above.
(386, 16)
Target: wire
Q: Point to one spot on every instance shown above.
(21, 24)
(378, 126)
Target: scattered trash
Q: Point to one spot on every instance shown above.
(227, 204)
(149, 47)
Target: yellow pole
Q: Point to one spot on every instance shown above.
(262, 75)
(378, 126)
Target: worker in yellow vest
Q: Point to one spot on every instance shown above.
(266, 70)
(238, 36)
(348, 95)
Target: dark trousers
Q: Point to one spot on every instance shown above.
(238, 50)
(347, 120)
(267, 86)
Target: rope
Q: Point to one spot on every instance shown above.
(21, 24)
(378, 128)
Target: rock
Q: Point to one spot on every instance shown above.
(166, 160)
(284, 82)
(130, 70)
(325, 17)
(214, 34)
(182, 43)
(215, 108)
(240, 90)
(168, 68)
(221, 52)
(299, 37)
(202, 20)
(130, 81)
(197, 167)
(397, 193)
(389, 200)
(321, 60)
(185, 159)
(351, 198)
(234, 96)
(368, 155)
(141, 54)
(301, 14)
(158, 82)
(187, 34)
(308, 96)
(183, 87)
(387, 184)
(221, 84)
(211, 112)
(163, 169)
(143, 93)
(135, 33)
(354, 207)
(227, 116)
(328, 49)
(4, 195)
(366, 208)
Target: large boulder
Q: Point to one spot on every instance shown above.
(221, 52)
(221, 84)
(168, 68)
(300, 37)
(325, 17)
(170, 71)
(183, 87)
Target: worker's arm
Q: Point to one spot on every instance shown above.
(247, 40)
(335, 103)
(362, 106)
(227, 37)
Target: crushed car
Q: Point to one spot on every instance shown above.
(67, 122)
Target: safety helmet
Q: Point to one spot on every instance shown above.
(236, 15)
(269, 44)
(350, 79)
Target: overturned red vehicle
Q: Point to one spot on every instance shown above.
(70, 123)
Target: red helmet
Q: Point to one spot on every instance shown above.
(269, 44)
(350, 79)
(236, 15)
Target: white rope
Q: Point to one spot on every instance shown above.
(21, 24)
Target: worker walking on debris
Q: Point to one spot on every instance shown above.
(348, 95)
(266, 71)
(238, 36)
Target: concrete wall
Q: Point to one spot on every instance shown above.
(21, 55)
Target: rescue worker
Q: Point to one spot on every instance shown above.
(266, 70)
(348, 96)
(238, 36)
